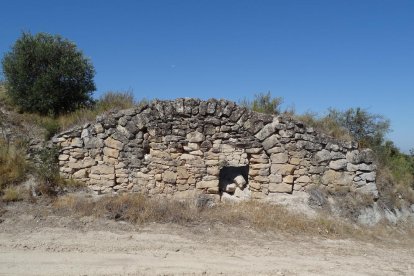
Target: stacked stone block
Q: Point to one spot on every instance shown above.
(181, 146)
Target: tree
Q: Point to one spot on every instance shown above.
(47, 74)
(368, 129)
(263, 103)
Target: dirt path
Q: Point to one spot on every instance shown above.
(36, 244)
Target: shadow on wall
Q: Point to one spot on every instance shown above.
(232, 177)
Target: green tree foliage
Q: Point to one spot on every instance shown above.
(47, 74)
(401, 165)
(368, 129)
(263, 103)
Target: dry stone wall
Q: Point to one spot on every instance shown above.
(189, 146)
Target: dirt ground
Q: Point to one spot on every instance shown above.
(36, 242)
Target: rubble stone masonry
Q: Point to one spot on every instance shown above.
(189, 146)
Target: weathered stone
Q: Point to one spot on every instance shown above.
(195, 137)
(213, 170)
(169, 177)
(260, 166)
(63, 157)
(361, 167)
(338, 164)
(283, 169)
(76, 143)
(368, 176)
(322, 156)
(275, 178)
(337, 155)
(276, 150)
(254, 150)
(86, 163)
(286, 133)
(210, 177)
(370, 189)
(182, 173)
(279, 158)
(267, 130)
(317, 169)
(332, 177)
(207, 184)
(94, 143)
(193, 146)
(99, 128)
(259, 160)
(289, 179)
(280, 188)
(211, 106)
(255, 185)
(357, 157)
(197, 153)
(78, 153)
(102, 183)
(112, 143)
(270, 142)
(80, 174)
(308, 145)
(230, 188)
(114, 153)
(102, 169)
(303, 179)
(240, 181)
(295, 161)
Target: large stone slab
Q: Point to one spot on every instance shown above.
(280, 188)
(332, 177)
(112, 143)
(283, 169)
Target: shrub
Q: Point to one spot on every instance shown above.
(366, 128)
(115, 100)
(51, 126)
(47, 74)
(48, 170)
(263, 103)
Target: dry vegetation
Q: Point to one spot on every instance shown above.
(325, 125)
(138, 209)
(117, 100)
(13, 165)
(109, 101)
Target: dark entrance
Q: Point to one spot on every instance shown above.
(233, 177)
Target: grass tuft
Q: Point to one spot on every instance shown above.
(11, 194)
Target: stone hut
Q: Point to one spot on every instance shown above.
(189, 146)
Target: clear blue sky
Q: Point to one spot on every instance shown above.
(314, 54)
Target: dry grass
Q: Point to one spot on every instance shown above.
(13, 194)
(393, 194)
(52, 125)
(325, 125)
(13, 165)
(109, 101)
(136, 208)
(4, 98)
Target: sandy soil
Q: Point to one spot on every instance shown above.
(35, 242)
